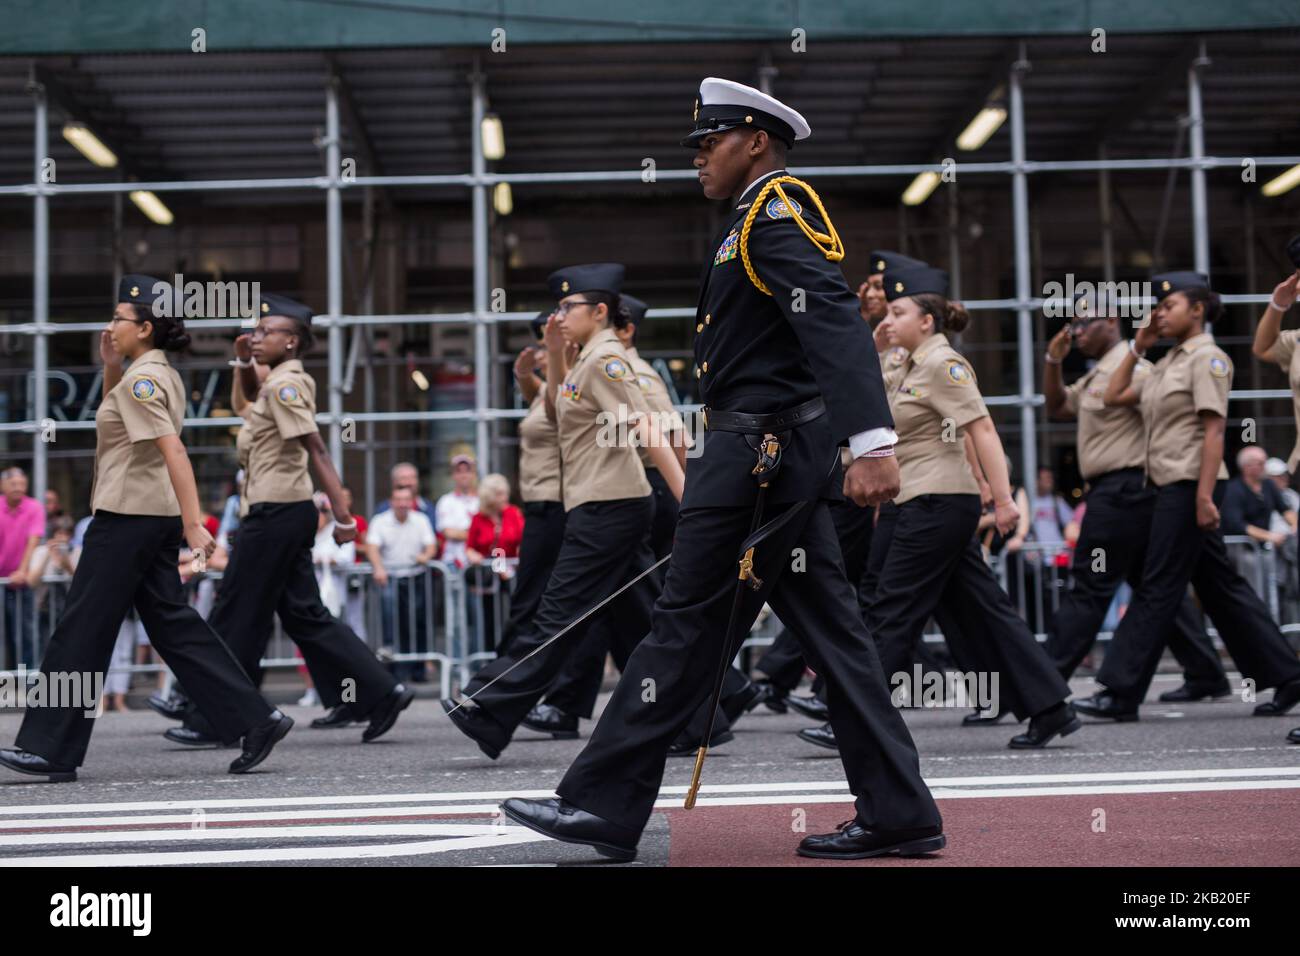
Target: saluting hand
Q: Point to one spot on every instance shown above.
(872, 481)
(108, 352)
(244, 347)
(1148, 335)
(1284, 293)
(527, 362)
(552, 337)
(1059, 346)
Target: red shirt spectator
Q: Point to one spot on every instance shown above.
(486, 535)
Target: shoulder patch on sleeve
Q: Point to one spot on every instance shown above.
(646, 384)
(957, 372)
(1218, 367)
(145, 389)
(614, 368)
(777, 208)
(897, 355)
(289, 394)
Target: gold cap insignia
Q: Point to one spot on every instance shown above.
(1164, 286)
(564, 286)
(749, 119)
(265, 308)
(898, 287)
(880, 265)
(696, 114)
(135, 291)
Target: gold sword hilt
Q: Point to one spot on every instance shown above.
(695, 777)
(747, 571)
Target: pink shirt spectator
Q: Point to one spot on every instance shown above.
(17, 525)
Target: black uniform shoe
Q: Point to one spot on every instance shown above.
(813, 706)
(1284, 698)
(1107, 706)
(823, 736)
(773, 696)
(853, 841)
(1056, 720)
(547, 719)
(1189, 693)
(260, 741)
(191, 738)
(982, 718)
(172, 707)
(741, 702)
(563, 821)
(684, 746)
(29, 763)
(340, 716)
(1294, 736)
(386, 712)
(478, 727)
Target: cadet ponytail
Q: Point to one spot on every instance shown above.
(948, 316)
(168, 331)
(1211, 302)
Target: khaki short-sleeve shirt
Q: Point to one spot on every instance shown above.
(656, 396)
(1194, 376)
(539, 454)
(599, 457)
(1288, 356)
(1111, 437)
(130, 473)
(933, 398)
(284, 412)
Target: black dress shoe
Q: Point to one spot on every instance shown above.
(1284, 698)
(547, 719)
(1189, 693)
(823, 736)
(29, 763)
(563, 821)
(191, 738)
(260, 741)
(1060, 720)
(386, 712)
(1294, 736)
(340, 716)
(471, 721)
(813, 706)
(853, 841)
(173, 707)
(742, 701)
(1107, 706)
(982, 718)
(773, 696)
(685, 746)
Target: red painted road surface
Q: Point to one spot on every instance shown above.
(1209, 828)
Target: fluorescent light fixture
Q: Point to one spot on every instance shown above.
(503, 201)
(152, 206)
(89, 145)
(1285, 183)
(494, 137)
(985, 124)
(920, 189)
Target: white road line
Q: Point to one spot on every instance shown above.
(277, 855)
(288, 816)
(221, 834)
(803, 787)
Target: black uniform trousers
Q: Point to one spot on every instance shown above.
(671, 673)
(130, 560)
(606, 543)
(270, 572)
(783, 662)
(934, 566)
(1179, 552)
(538, 549)
(576, 689)
(1112, 548)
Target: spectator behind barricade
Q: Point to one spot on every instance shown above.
(406, 476)
(354, 611)
(330, 559)
(400, 542)
(52, 559)
(1250, 502)
(456, 510)
(22, 526)
(1287, 556)
(496, 529)
(362, 525)
(230, 510)
(1050, 513)
(53, 505)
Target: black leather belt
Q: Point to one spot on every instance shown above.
(745, 423)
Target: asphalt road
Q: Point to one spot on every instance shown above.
(1187, 785)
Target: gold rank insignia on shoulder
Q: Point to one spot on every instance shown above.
(958, 372)
(614, 368)
(144, 390)
(1218, 367)
(781, 208)
(288, 395)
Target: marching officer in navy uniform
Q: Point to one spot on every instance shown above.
(145, 503)
(788, 373)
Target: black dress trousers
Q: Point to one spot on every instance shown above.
(933, 563)
(670, 674)
(606, 543)
(1179, 552)
(538, 549)
(1112, 548)
(270, 572)
(131, 560)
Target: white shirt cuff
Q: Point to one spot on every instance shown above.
(870, 440)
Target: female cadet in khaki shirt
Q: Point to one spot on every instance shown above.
(270, 570)
(144, 498)
(1184, 403)
(606, 496)
(933, 560)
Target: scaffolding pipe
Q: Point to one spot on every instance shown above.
(1024, 315)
